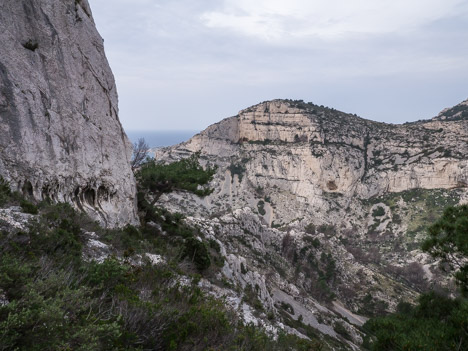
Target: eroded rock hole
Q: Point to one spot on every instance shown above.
(102, 193)
(89, 196)
(27, 189)
(45, 193)
(31, 45)
(331, 185)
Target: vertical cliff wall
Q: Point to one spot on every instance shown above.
(60, 135)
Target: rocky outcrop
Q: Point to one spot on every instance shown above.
(455, 113)
(60, 135)
(311, 152)
(340, 203)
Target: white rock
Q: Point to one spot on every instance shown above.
(155, 259)
(60, 135)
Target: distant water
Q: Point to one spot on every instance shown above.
(161, 138)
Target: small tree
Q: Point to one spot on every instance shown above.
(140, 153)
(448, 240)
(436, 322)
(187, 174)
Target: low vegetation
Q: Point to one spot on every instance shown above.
(448, 240)
(155, 179)
(51, 298)
(436, 322)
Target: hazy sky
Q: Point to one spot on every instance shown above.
(185, 64)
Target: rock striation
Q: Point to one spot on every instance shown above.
(60, 136)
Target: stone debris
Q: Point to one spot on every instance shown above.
(13, 219)
(95, 250)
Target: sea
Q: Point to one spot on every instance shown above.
(161, 138)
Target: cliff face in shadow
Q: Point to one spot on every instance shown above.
(60, 135)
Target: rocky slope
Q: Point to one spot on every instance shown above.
(60, 135)
(321, 213)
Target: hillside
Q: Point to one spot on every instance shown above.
(285, 227)
(325, 211)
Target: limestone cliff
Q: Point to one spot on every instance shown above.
(311, 152)
(60, 135)
(323, 207)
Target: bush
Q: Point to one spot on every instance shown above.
(196, 251)
(340, 329)
(379, 211)
(5, 192)
(435, 323)
(327, 229)
(108, 274)
(372, 306)
(312, 241)
(448, 240)
(29, 207)
(187, 174)
(237, 168)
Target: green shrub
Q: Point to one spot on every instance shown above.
(187, 174)
(237, 168)
(251, 297)
(243, 269)
(448, 240)
(204, 324)
(372, 306)
(435, 323)
(327, 229)
(287, 307)
(196, 251)
(5, 192)
(108, 274)
(50, 315)
(330, 266)
(28, 207)
(379, 211)
(340, 329)
(214, 245)
(311, 240)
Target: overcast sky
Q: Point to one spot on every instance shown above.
(185, 64)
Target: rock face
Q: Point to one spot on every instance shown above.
(309, 153)
(324, 211)
(60, 135)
